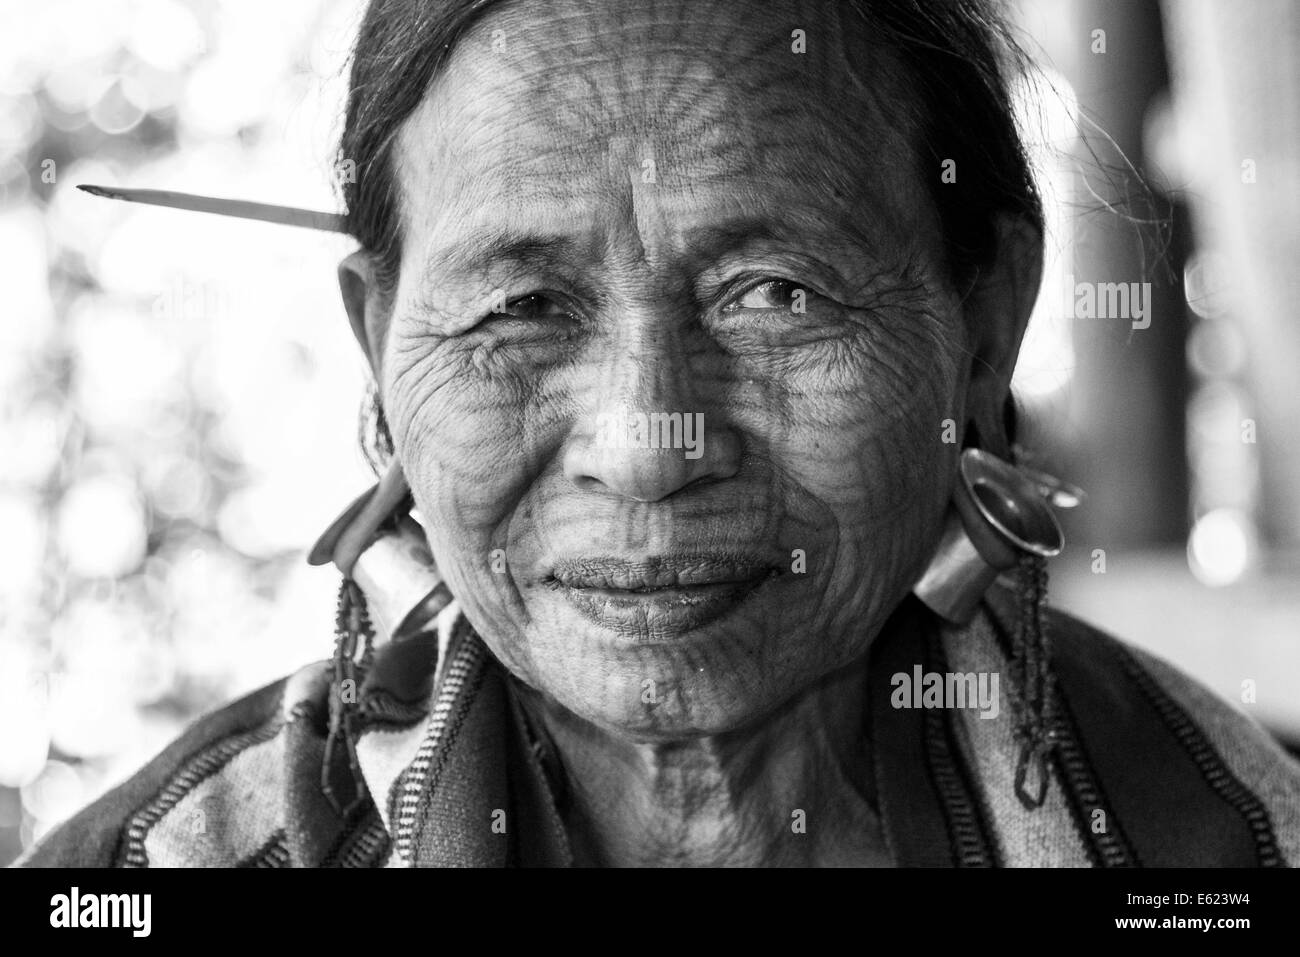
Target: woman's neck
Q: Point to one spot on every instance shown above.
(789, 790)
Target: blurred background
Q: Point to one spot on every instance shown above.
(179, 393)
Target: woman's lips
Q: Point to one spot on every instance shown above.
(659, 598)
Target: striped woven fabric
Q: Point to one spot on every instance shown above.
(1147, 768)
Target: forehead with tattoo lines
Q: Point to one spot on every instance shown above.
(658, 133)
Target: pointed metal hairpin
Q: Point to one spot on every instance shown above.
(239, 208)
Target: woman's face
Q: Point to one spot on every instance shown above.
(674, 211)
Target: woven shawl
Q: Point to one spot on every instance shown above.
(1148, 768)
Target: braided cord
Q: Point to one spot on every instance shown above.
(1032, 685)
(351, 626)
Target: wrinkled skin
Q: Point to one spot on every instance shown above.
(681, 173)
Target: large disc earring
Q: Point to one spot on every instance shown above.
(1001, 520)
(998, 514)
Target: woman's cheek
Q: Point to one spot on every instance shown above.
(461, 448)
(453, 431)
(871, 450)
(864, 413)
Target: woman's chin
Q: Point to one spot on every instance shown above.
(679, 710)
(663, 668)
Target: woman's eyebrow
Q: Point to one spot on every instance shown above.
(822, 236)
(476, 250)
(799, 226)
(713, 239)
(479, 248)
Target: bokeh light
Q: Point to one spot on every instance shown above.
(178, 392)
(1221, 546)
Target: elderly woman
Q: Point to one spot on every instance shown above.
(692, 328)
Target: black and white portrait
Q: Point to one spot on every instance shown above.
(649, 433)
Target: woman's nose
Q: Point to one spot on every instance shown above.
(648, 434)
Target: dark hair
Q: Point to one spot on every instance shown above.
(959, 55)
(400, 47)
(957, 52)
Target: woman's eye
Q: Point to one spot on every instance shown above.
(535, 307)
(783, 294)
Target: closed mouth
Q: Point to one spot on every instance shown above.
(659, 572)
(662, 597)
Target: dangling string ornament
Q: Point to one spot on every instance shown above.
(352, 631)
(1001, 520)
(381, 551)
(1033, 684)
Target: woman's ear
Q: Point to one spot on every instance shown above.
(996, 311)
(366, 307)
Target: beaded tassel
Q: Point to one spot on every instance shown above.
(351, 627)
(1033, 681)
